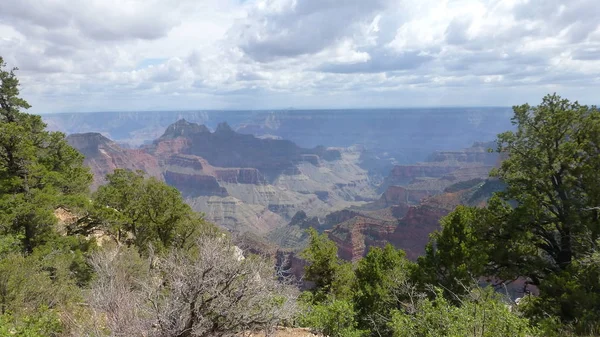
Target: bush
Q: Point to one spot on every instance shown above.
(211, 290)
(481, 314)
(43, 323)
(333, 317)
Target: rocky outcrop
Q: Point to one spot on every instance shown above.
(354, 236)
(103, 156)
(195, 184)
(240, 176)
(397, 195)
(183, 128)
(405, 174)
(478, 153)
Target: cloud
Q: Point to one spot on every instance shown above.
(131, 54)
(287, 28)
(380, 61)
(94, 19)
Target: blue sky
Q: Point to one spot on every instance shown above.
(99, 55)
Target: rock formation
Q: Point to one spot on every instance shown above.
(276, 189)
(406, 227)
(414, 199)
(103, 156)
(239, 181)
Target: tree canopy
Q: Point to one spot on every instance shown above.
(39, 171)
(137, 210)
(543, 225)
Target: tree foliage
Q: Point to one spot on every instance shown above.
(332, 317)
(330, 275)
(546, 222)
(481, 313)
(144, 211)
(382, 284)
(39, 171)
(552, 173)
(455, 257)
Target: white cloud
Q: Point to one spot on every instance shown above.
(185, 54)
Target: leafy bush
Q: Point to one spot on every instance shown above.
(481, 314)
(334, 318)
(42, 323)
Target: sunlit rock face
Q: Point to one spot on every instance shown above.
(405, 226)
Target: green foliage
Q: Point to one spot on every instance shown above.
(39, 171)
(40, 269)
(332, 317)
(543, 226)
(455, 256)
(141, 211)
(330, 275)
(381, 285)
(480, 314)
(572, 296)
(42, 323)
(552, 175)
(49, 277)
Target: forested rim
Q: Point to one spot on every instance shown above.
(135, 260)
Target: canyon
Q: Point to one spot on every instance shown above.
(389, 136)
(270, 190)
(415, 197)
(240, 182)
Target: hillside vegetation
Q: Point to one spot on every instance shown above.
(133, 259)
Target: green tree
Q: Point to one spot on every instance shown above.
(333, 317)
(142, 211)
(545, 223)
(43, 323)
(43, 279)
(39, 171)
(571, 296)
(455, 257)
(330, 275)
(382, 284)
(552, 173)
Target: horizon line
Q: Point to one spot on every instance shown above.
(285, 109)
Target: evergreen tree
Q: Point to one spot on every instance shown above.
(455, 257)
(544, 226)
(39, 171)
(382, 284)
(142, 211)
(330, 275)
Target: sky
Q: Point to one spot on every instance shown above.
(122, 55)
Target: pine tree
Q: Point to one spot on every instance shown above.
(39, 171)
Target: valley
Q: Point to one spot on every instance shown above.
(273, 189)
